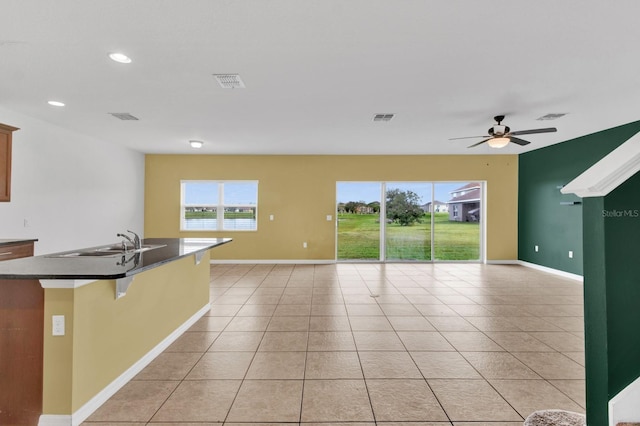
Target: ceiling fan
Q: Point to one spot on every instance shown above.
(499, 135)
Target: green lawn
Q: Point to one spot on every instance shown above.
(359, 238)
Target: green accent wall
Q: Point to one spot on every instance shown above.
(555, 228)
(622, 250)
(595, 314)
(612, 292)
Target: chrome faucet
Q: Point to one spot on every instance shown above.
(135, 242)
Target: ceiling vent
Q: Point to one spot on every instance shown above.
(123, 116)
(383, 117)
(229, 81)
(552, 116)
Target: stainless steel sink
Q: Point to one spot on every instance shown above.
(84, 254)
(118, 248)
(111, 250)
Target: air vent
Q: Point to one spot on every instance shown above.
(229, 81)
(123, 116)
(9, 43)
(383, 117)
(552, 116)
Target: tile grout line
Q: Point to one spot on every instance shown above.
(364, 378)
(244, 378)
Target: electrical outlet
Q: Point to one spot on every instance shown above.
(536, 248)
(26, 223)
(271, 217)
(570, 254)
(57, 325)
(329, 217)
(304, 244)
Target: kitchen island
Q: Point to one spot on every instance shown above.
(108, 313)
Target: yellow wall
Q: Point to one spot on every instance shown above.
(301, 191)
(104, 336)
(58, 353)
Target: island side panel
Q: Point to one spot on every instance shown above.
(57, 353)
(110, 336)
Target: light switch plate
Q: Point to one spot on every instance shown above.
(57, 325)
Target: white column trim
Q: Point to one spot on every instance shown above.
(65, 283)
(608, 173)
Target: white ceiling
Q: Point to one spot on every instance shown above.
(317, 71)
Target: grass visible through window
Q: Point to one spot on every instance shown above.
(359, 239)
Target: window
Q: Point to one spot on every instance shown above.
(218, 205)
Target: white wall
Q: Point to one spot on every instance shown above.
(624, 406)
(73, 190)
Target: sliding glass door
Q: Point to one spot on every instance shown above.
(408, 225)
(358, 216)
(456, 233)
(409, 221)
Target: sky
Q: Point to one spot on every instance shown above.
(371, 191)
(240, 193)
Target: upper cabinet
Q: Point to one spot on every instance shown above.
(5, 161)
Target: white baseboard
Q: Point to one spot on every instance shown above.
(94, 403)
(271, 262)
(55, 420)
(503, 262)
(624, 406)
(552, 271)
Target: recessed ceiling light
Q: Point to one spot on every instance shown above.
(196, 144)
(120, 57)
(56, 103)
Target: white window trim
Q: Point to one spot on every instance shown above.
(220, 207)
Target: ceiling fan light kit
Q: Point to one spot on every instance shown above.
(498, 142)
(499, 135)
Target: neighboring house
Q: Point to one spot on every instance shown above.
(464, 205)
(364, 210)
(438, 207)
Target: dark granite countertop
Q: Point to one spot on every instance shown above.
(52, 266)
(12, 241)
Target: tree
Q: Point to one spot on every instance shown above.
(375, 205)
(351, 206)
(354, 206)
(403, 207)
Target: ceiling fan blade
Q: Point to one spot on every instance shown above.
(519, 141)
(532, 131)
(469, 137)
(476, 144)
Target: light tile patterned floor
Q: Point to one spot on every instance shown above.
(439, 344)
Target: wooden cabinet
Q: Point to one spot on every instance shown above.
(5, 161)
(21, 344)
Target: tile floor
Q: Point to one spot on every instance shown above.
(439, 344)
